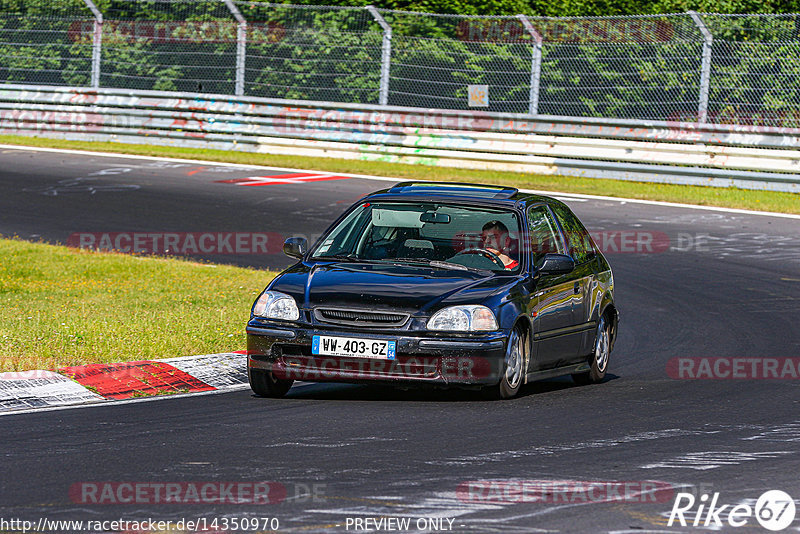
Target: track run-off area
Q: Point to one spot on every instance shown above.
(702, 396)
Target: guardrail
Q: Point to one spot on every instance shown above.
(684, 153)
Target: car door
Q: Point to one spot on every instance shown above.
(555, 341)
(582, 249)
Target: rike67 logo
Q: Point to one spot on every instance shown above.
(774, 510)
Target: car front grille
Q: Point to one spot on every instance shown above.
(359, 317)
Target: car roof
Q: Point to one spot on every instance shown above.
(467, 192)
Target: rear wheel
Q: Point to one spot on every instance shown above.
(602, 352)
(513, 368)
(264, 384)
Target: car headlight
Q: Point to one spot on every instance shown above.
(276, 305)
(473, 318)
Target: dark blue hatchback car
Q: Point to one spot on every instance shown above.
(438, 283)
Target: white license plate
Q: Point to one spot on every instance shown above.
(352, 347)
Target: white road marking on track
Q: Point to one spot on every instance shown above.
(702, 461)
(292, 180)
(779, 434)
(540, 450)
(320, 442)
(569, 199)
(572, 196)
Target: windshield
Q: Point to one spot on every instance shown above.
(441, 235)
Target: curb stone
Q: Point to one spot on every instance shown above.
(98, 383)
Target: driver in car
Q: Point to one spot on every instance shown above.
(495, 239)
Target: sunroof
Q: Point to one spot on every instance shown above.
(455, 189)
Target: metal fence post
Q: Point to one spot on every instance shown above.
(536, 65)
(705, 68)
(386, 54)
(97, 43)
(241, 45)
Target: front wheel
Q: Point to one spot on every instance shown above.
(513, 369)
(602, 351)
(264, 384)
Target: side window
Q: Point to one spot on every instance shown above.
(543, 233)
(579, 243)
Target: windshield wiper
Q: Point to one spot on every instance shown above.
(435, 263)
(449, 265)
(338, 257)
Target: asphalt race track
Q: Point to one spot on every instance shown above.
(715, 285)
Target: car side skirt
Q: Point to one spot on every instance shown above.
(558, 371)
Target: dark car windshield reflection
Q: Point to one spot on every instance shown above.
(438, 235)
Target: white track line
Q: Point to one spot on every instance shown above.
(394, 180)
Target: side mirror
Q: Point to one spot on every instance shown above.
(295, 247)
(556, 264)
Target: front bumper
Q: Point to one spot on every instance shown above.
(421, 358)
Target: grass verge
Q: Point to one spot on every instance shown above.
(705, 196)
(61, 306)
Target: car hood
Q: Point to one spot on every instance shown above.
(407, 288)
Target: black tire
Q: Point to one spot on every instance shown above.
(600, 355)
(264, 384)
(513, 368)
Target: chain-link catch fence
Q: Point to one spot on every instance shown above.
(727, 69)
